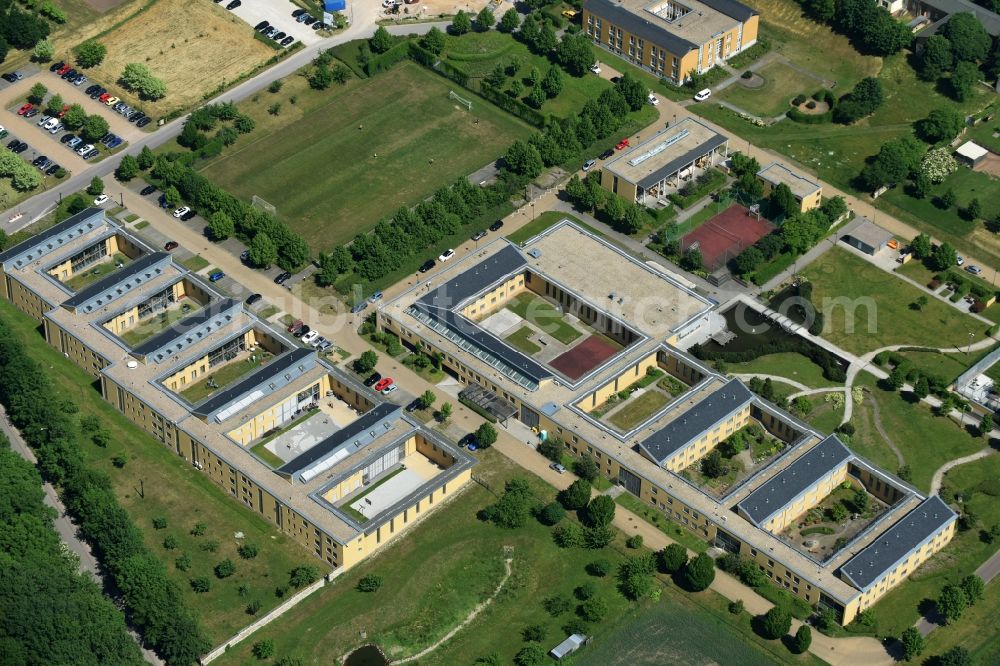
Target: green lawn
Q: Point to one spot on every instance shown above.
(926, 441)
(519, 340)
(94, 273)
(784, 364)
(543, 222)
(638, 409)
(661, 522)
(265, 454)
(898, 609)
(949, 366)
(824, 416)
(153, 325)
(172, 489)
(338, 160)
(544, 316)
(781, 84)
(223, 377)
(194, 263)
(872, 308)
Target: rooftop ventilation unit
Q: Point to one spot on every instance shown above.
(657, 149)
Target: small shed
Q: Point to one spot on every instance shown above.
(868, 237)
(568, 646)
(971, 153)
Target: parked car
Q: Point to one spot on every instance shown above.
(74, 142)
(114, 143)
(309, 20)
(66, 138)
(653, 99)
(606, 154)
(596, 68)
(58, 127)
(216, 276)
(298, 12)
(25, 108)
(62, 70)
(37, 160)
(234, 4)
(302, 18)
(622, 145)
(181, 211)
(702, 95)
(84, 149)
(104, 97)
(146, 191)
(79, 80)
(282, 278)
(446, 255)
(557, 467)
(303, 330)
(69, 74)
(389, 389)
(310, 336)
(170, 245)
(296, 325)
(382, 383)
(589, 164)
(10, 76)
(92, 153)
(91, 89)
(377, 296)
(56, 66)
(53, 168)
(142, 122)
(188, 215)
(372, 379)
(960, 260)
(253, 298)
(31, 113)
(21, 147)
(101, 199)
(111, 101)
(97, 93)
(318, 341)
(359, 307)
(44, 164)
(287, 40)
(324, 344)
(263, 24)
(278, 36)
(427, 265)
(975, 270)
(267, 32)
(468, 440)
(479, 235)
(3, 131)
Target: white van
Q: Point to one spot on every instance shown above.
(701, 96)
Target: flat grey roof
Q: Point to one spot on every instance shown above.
(119, 282)
(895, 545)
(278, 366)
(359, 433)
(184, 327)
(776, 173)
(792, 481)
(640, 27)
(666, 152)
(871, 234)
(990, 20)
(697, 420)
(54, 237)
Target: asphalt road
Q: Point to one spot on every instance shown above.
(364, 26)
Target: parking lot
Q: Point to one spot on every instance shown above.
(38, 145)
(74, 95)
(279, 14)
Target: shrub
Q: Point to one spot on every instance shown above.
(534, 633)
(201, 584)
(370, 583)
(170, 543)
(698, 573)
(556, 605)
(199, 529)
(552, 514)
(593, 609)
(775, 623)
(253, 607)
(599, 568)
(585, 591)
(803, 639)
(159, 523)
(225, 568)
(634, 541)
(672, 558)
(736, 607)
(799, 100)
(747, 74)
(263, 649)
(248, 551)
(530, 655)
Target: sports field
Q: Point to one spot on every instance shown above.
(726, 235)
(584, 357)
(338, 160)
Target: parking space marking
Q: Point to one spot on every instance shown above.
(279, 14)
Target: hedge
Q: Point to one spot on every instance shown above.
(809, 118)
(477, 409)
(385, 61)
(514, 106)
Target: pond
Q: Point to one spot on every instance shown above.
(366, 655)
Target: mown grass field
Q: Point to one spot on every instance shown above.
(338, 160)
(874, 308)
(156, 483)
(194, 46)
(781, 84)
(785, 364)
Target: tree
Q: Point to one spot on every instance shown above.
(973, 587)
(551, 449)
(599, 568)
(94, 127)
(576, 496)
(536, 97)
(366, 362)
(370, 583)
(963, 80)
(551, 514)
(803, 639)
(4, 47)
(524, 159)
(534, 633)
(957, 656)
(862, 101)
(512, 509)
(43, 51)
(586, 468)
(921, 186)
(634, 92)
(225, 568)
(171, 196)
(775, 623)
(127, 169)
(748, 260)
(600, 511)
(952, 603)
(96, 186)
(138, 78)
(263, 251)
(427, 399)
(433, 41)
(912, 642)
(381, 41)
(75, 116)
(894, 162)
(574, 53)
(54, 105)
(672, 558)
(461, 24)
(692, 260)
(220, 226)
(37, 93)
(936, 58)
(922, 388)
(90, 53)
(594, 609)
(698, 573)
(530, 655)
(304, 575)
(712, 465)
(783, 199)
(944, 256)
(969, 40)
(486, 436)
(263, 649)
(921, 246)
(941, 124)
(510, 21)
(552, 84)
(485, 19)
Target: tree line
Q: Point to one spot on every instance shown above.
(45, 418)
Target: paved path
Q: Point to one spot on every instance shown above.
(943, 469)
(67, 529)
(803, 389)
(812, 255)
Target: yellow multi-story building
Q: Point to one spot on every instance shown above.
(808, 193)
(284, 432)
(672, 38)
(579, 340)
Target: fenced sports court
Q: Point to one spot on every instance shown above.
(727, 234)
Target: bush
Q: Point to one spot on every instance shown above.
(552, 514)
(585, 591)
(698, 573)
(556, 605)
(803, 639)
(248, 551)
(201, 585)
(599, 568)
(370, 583)
(672, 558)
(747, 74)
(225, 568)
(799, 100)
(736, 607)
(775, 623)
(593, 609)
(634, 541)
(263, 649)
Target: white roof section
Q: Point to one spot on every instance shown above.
(972, 150)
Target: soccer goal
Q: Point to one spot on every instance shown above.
(261, 204)
(467, 103)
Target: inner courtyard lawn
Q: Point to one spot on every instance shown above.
(519, 340)
(866, 308)
(638, 409)
(544, 315)
(154, 482)
(223, 377)
(336, 161)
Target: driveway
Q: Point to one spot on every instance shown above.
(279, 14)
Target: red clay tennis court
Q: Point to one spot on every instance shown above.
(586, 356)
(726, 235)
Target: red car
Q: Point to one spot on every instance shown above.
(62, 70)
(382, 383)
(64, 110)
(295, 326)
(171, 245)
(105, 97)
(621, 145)
(24, 109)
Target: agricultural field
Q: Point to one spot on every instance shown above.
(336, 161)
(192, 45)
(875, 310)
(153, 482)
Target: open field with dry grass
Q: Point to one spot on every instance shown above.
(193, 45)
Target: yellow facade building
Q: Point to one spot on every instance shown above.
(808, 193)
